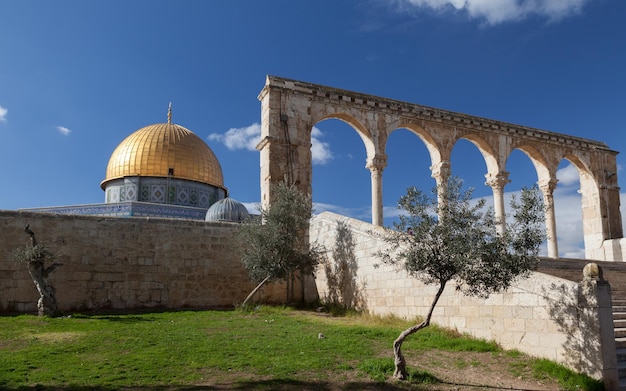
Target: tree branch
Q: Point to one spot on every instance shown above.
(51, 269)
(30, 233)
(255, 290)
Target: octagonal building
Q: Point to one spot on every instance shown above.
(164, 164)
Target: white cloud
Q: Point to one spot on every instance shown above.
(239, 138)
(499, 11)
(247, 138)
(3, 114)
(63, 130)
(320, 150)
(568, 176)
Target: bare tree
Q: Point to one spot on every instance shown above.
(456, 240)
(273, 246)
(35, 257)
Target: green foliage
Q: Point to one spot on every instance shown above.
(38, 253)
(273, 243)
(457, 239)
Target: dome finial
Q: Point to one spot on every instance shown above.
(169, 114)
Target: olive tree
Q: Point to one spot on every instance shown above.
(35, 256)
(447, 237)
(273, 246)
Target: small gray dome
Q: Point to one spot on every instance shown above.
(227, 210)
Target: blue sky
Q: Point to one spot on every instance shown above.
(77, 77)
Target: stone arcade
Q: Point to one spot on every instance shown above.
(291, 108)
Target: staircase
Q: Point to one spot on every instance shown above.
(615, 274)
(619, 323)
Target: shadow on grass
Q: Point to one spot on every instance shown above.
(418, 381)
(281, 385)
(124, 319)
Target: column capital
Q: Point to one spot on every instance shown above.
(440, 170)
(547, 186)
(497, 181)
(378, 162)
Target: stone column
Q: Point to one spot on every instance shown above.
(441, 172)
(376, 167)
(497, 183)
(547, 188)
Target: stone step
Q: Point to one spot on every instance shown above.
(619, 322)
(620, 343)
(620, 333)
(621, 357)
(621, 377)
(621, 373)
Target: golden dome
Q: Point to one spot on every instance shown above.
(165, 150)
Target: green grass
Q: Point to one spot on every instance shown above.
(255, 349)
(567, 379)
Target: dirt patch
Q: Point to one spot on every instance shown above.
(480, 371)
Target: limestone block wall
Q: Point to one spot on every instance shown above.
(613, 250)
(127, 263)
(544, 316)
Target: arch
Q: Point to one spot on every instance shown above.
(432, 145)
(593, 215)
(436, 146)
(361, 130)
(546, 171)
(495, 177)
(489, 155)
(346, 170)
(405, 170)
(546, 180)
(289, 108)
(376, 158)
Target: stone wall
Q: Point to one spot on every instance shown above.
(544, 316)
(142, 263)
(126, 263)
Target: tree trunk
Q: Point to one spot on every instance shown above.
(288, 288)
(47, 303)
(302, 288)
(400, 372)
(255, 290)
